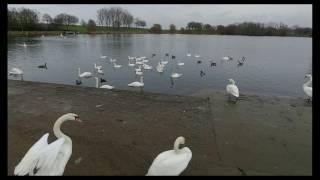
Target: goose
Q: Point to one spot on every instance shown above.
(137, 83)
(197, 55)
(97, 67)
(103, 86)
(103, 57)
(171, 162)
(189, 55)
(48, 159)
(84, 74)
(175, 75)
(307, 86)
(78, 82)
(232, 89)
(242, 61)
(43, 66)
(116, 65)
(199, 61)
(102, 80)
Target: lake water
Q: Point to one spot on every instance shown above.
(273, 66)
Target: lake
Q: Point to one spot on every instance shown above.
(273, 65)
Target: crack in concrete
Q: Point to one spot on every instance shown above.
(213, 129)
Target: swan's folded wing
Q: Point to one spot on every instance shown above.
(47, 157)
(28, 162)
(232, 89)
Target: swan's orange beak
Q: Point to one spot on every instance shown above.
(78, 119)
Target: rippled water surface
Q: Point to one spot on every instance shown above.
(273, 66)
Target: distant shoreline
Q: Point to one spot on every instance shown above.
(39, 33)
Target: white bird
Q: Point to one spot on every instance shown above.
(175, 75)
(188, 54)
(180, 63)
(97, 67)
(103, 57)
(131, 64)
(197, 55)
(171, 162)
(16, 71)
(112, 60)
(145, 60)
(147, 67)
(164, 62)
(116, 65)
(48, 159)
(103, 86)
(84, 74)
(232, 89)
(227, 58)
(100, 71)
(160, 67)
(139, 62)
(137, 83)
(307, 86)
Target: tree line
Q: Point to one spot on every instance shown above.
(117, 17)
(247, 28)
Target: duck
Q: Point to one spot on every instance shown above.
(43, 66)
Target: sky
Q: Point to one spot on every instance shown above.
(181, 14)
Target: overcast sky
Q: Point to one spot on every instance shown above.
(181, 14)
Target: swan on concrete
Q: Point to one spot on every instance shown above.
(48, 159)
(232, 89)
(171, 162)
(307, 87)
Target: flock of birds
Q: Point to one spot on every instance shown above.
(51, 159)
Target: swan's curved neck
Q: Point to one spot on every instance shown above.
(57, 131)
(177, 143)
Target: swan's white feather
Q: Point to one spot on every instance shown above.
(50, 159)
(136, 84)
(106, 86)
(85, 75)
(308, 90)
(170, 163)
(28, 162)
(233, 89)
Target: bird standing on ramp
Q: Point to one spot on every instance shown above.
(172, 162)
(232, 89)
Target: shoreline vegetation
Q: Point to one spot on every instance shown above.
(116, 20)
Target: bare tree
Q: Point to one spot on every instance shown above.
(47, 18)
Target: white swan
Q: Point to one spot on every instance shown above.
(232, 88)
(227, 58)
(84, 74)
(97, 67)
(160, 67)
(112, 60)
(116, 65)
(307, 86)
(197, 55)
(103, 57)
(103, 86)
(180, 63)
(137, 83)
(100, 71)
(131, 64)
(48, 159)
(164, 62)
(16, 71)
(139, 71)
(189, 55)
(172, 162)
(176, 75)
(147, 67)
